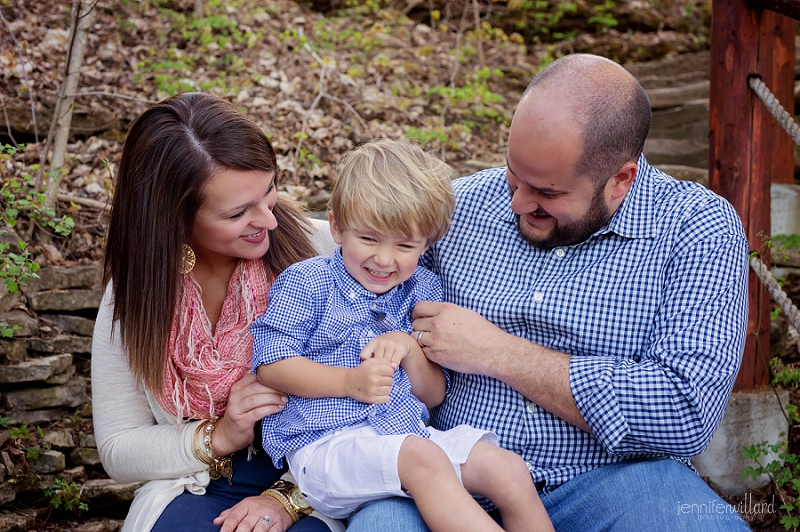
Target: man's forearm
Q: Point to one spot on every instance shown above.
(541, 375)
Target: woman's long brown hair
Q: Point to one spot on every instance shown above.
(171, 151)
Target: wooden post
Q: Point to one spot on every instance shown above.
(746, 151)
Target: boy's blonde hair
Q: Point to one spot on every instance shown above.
(393, 188)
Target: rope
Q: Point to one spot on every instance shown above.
(787, 123)
(781, 115)
(780, 297)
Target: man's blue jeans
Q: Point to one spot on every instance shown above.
(653, 495)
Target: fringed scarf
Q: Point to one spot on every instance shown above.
(201, 367)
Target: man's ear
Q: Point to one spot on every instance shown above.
(620, 182)
(335, 232)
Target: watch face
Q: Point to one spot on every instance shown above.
(298, 499)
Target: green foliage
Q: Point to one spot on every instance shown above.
(603, 19)
(20, 433)
(209, 40)
(67, 496)
(540, 18)
(785, 374)
(783, 471)
(27, 442)
(21, 200)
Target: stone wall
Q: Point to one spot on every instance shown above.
(45, 388)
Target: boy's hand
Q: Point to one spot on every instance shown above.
(371, 381)
(392, 346)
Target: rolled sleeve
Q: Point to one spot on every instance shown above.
(670, 398)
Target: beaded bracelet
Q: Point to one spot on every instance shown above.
(218, 467)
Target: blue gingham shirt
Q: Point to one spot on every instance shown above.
(317, 310)
(652, 309)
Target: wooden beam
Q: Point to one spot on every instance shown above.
(745, 151)
(787, 8)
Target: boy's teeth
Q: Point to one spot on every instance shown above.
(380, 274)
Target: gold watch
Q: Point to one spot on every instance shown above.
(290, 497)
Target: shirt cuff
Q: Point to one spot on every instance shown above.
(591, 380)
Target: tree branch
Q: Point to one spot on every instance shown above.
(113, 95)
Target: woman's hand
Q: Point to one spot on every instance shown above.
(248, 402)
(247, 516)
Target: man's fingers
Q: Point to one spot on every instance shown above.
(426, 309)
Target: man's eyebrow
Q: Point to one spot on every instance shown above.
(536, 189)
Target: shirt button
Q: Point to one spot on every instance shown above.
(372, 413)
(352, 295)
(560, 253)
(538, 297)
(374, 306)
(531, 408)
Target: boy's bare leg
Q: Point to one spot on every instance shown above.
(426, 473)
(502, 477)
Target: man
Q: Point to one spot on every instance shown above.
(596, 312)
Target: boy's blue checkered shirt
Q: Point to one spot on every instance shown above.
(317, 310)
(652, 309)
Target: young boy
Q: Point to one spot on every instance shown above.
(337, 338)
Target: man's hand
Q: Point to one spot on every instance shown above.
(460, 339)
(465, 341)
(371, 381)
(392, 346)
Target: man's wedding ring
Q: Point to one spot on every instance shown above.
(268, 519)
(419, 339)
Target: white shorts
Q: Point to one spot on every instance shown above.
(354, 465)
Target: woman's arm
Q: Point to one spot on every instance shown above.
(136, 440)
(132, 445)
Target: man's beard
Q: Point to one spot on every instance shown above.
(574, 232)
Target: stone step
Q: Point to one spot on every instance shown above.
(23, 323)
(35, 369)
(35, 417)
(71, 394)
(686, 122)
(686, 173)
(668, 97)
(65, 300)
(104, 491)
(61, 343)
(71, 324)
(662, 151)
(62, 277)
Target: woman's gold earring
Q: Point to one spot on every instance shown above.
(188, 259)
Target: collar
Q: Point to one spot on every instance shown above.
(352, 289)
(634, 217)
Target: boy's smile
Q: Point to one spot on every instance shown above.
(378, 262)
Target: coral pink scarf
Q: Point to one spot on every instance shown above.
(201, 367)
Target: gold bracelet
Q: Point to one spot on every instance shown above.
(284, 502)
(218, 467)
(290, 497)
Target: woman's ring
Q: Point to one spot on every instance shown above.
(267, 519)
(419, 339)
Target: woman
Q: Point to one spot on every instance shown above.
(197, 235)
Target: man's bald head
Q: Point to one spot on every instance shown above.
(605, 101)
